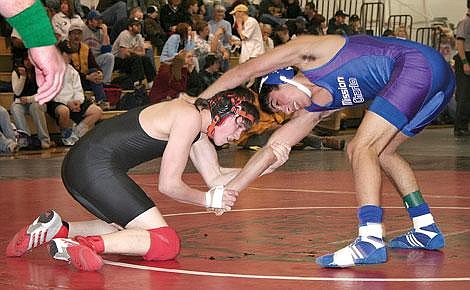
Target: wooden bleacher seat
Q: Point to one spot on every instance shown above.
(5, 76)
(6, 99)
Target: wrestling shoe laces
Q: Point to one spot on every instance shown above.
(80, 256)
(364, 250)
(428, 237)
(42, 230)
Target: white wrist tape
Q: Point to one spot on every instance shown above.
(214, 197)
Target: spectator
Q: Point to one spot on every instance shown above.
(281, 35)
(293, 9)
(202, 45)
(337, 24)
(447, 43)
(267, 30)
(462, 72)
(250, 33)
(23, 79)
(7, 135)
(229, 5)
(218, 22)
(83, 60)
(189, 15)
(135, 13)
(206, 43)
(309, 11)
(297, 27)
(209, 74)
(173, 78)
(354, 26)
(170, 15)
(401, 32)
(129, 53)
(18, 50)
(317, 25)
(55, 6)
(388, 33)
(153, 30)
(271, 12)
(137, 3)
(95, 35)
(70, 104)
(183, 38)
(272, 7)
(112, 11)
(61, 20)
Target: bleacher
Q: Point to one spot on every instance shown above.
(373, 19)
(6, 98)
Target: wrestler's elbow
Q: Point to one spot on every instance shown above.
(167, 188)
(268, 155)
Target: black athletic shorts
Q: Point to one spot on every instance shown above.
(77, 117)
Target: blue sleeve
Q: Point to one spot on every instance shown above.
(189, 45)
(170, 49)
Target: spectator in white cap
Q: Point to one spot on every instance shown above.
(83, 60)
(249, 32)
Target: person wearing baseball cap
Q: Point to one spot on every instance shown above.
(95, 35)
(249, 32)
(94, 14)
(337, 24)
(240, 8)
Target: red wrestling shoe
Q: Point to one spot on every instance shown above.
(82, 257)
(43, 229)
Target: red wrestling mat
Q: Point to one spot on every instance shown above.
(270, 241)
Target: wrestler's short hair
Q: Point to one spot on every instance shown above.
(263, 97)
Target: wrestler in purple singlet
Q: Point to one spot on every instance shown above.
(382, 69)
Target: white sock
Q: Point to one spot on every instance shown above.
(81, 129)
(423, 220)
(371, 229)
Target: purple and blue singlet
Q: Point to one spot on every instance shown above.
(409, 83)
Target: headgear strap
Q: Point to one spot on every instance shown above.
(283, 76)
(235, 110)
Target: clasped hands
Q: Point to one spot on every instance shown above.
(220, 199)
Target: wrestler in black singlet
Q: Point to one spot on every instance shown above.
(95, 170)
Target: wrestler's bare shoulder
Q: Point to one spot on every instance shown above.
(158, 119)
(317, 50)
(168, 108)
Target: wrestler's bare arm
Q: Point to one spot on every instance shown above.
(49, 64)
(175, 157)
(304, 52)
(290, 134)
(205, 159)
(9, 8)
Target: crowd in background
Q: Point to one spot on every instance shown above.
(115, 44)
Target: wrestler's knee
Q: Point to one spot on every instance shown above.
(164, 244)
(352, 148)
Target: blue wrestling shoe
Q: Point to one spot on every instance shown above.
(428, 237)
(364, 250)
